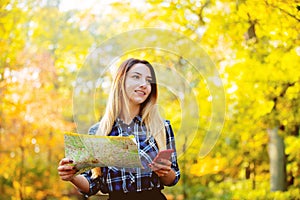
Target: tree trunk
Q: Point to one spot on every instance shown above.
(277, 161)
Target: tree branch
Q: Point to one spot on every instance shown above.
(284, 11)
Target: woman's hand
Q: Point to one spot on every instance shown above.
(164, 171)
(161, 168)
(65, 170)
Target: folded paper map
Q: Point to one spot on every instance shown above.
(89, 151)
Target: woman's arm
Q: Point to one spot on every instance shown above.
(168, 171)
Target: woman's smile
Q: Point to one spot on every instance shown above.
(140, 92)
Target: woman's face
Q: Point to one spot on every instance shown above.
(137, 84)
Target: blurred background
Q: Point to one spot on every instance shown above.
(255, 46)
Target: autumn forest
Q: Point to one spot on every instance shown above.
(228, 76)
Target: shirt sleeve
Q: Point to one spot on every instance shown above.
(95, 183)
(171, 145)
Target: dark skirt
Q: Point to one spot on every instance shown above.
(154, 194)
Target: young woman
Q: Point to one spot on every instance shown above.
(131, 110)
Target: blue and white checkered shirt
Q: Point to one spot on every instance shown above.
(133, 180)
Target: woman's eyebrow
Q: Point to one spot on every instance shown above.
(141, 74)
(137, 73)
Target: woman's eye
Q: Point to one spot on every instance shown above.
(135, 77)
(149, 81)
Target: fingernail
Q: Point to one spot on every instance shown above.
(71, 161)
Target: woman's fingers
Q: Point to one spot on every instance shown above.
(162, 164)
(66, 177)
(161, 173)
(65, 170)
(65, 161)
(65, 167)
(161, 168)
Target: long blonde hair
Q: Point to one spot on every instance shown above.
(148, 110)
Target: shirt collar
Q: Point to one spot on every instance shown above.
(137, 119)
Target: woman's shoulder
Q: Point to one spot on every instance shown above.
(93, 129)
(168, 128)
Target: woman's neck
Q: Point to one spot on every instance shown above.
(128, 115)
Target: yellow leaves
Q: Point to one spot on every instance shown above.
(262, 107)
(17, 189)
(64, 198)
(253, 73)
(29, 190)
(292, 146)
(208, 165)
(16, 185)
(41, 194)
(293, 92)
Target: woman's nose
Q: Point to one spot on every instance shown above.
(143, 83)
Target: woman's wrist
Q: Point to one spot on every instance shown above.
(168, 178)
(81, 183)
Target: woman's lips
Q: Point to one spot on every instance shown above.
(140, 92)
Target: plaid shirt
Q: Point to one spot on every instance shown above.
(133, 180)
